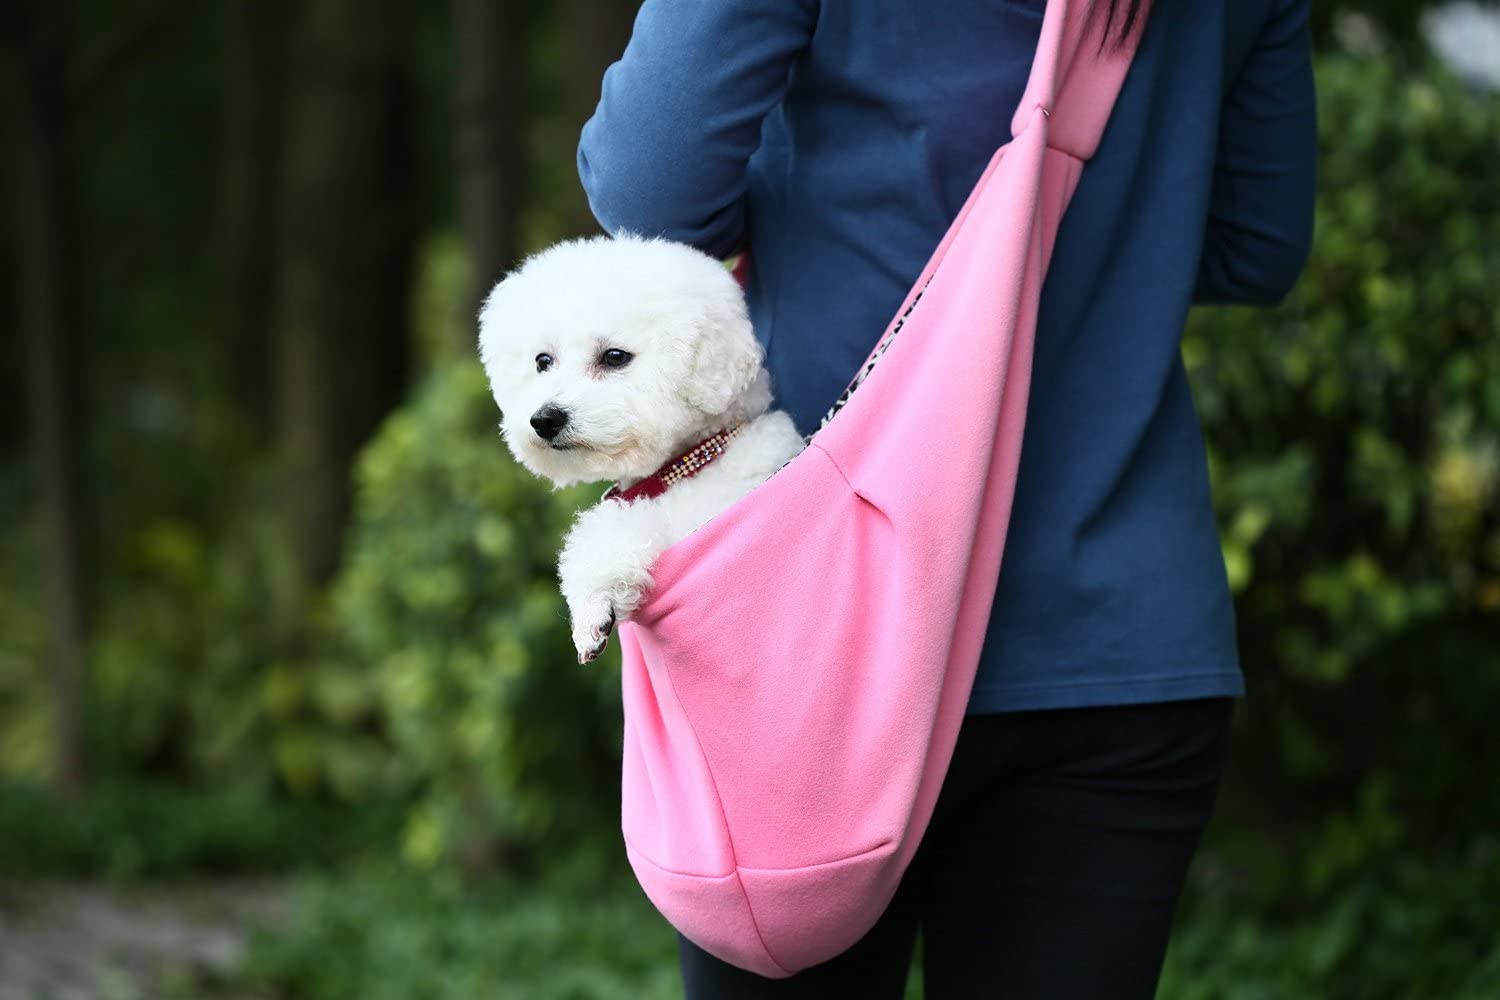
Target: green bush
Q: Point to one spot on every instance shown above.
(211, 657)
(1404, 929)
(136, 829)
(1354, 437)
(449, 599)
(193, 605)
(390, 937)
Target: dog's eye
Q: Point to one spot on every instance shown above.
(615, 358)
(543, 362)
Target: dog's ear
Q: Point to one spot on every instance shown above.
(491, 320)
(726, 361)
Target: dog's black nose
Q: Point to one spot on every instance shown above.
(549, 421)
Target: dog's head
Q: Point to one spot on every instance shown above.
(609, 356)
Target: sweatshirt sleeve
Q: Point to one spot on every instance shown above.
(1261, 211)
(680, 115)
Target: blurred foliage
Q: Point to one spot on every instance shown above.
(25, 725)
(1355, 451)
(1398, 20)
(1401, 932)
(392, 938)
(1402, 929)
(427, 702)
(449, 598)
(128, 830)
(585, 933)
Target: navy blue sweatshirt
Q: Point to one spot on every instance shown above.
(838, 139)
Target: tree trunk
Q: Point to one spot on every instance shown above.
(597, 32)
(346, 250)
(54, 365)
(489, 106)
(246, 211)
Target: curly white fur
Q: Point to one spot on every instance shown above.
(694, 368)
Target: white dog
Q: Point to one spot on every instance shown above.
(630, 360)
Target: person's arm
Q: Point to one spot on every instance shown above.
(680, 115)
(1261, 212)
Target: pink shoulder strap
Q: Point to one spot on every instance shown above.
(1076, 75)
(1079, 67)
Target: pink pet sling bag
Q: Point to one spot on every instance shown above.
(794, 685)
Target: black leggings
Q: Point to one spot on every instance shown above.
(1052, 867)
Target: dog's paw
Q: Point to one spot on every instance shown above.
(591, 628)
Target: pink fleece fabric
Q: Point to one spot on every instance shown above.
(794, 685)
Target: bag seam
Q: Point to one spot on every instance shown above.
(821, 864)
(644, 856)
(837, 468)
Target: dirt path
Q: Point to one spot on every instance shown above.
(82, 941)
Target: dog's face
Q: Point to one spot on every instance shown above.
(609, 356)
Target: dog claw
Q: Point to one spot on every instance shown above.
(592, 653)
(591, 644)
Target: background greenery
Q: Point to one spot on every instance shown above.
(401, 731)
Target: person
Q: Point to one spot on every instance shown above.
(837, 139)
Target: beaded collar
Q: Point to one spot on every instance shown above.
(684, 466)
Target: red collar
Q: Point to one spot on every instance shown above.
(684, 466)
